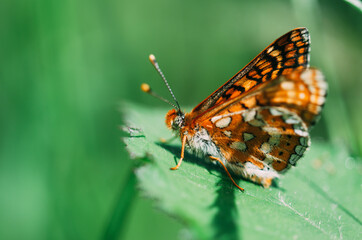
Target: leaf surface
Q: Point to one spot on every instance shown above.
(318, 199)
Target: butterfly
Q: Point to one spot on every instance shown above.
(257, 124)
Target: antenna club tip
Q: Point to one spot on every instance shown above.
(145, 87)
(152, 58)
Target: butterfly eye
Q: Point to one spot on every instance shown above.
(178, 122)
(175, 119)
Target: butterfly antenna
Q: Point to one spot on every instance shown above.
(147, 89)
(155, 64)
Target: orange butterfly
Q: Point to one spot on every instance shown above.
(256, 124)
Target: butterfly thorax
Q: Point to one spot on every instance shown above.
(181, 123)
(198, 139)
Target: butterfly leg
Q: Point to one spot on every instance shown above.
(182, 154)
(226, 170)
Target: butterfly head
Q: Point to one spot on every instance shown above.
(175, 119)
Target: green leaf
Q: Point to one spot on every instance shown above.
(318, 199)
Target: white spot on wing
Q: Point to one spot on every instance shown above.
(312, 89)
(291, 120)
(323, 84)
(256, 123)
(293, 159)
(227, 133)
(319, 100)
(248, 136)
(301, 87)
(224, 122)
(249, 115)
(266, 148)
(306, 76)
(214, 119)
(271, 130)
(313, 98)
(322, 92)
(299, 131)
(303, 141)
(275, 112)
(252, 170)
(300, 150)
(238, 146)
(287, 85)
(319, 76)
(268, 159)
(274, 139)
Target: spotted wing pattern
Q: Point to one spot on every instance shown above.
(287, 53)
(260, 142)
(303, 92)
(267, 132)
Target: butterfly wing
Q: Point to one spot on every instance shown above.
(290, 51)
(266, 132)
(303, 92)
(260, 142)
(259, 119)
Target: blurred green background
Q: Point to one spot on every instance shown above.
(66, 66)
